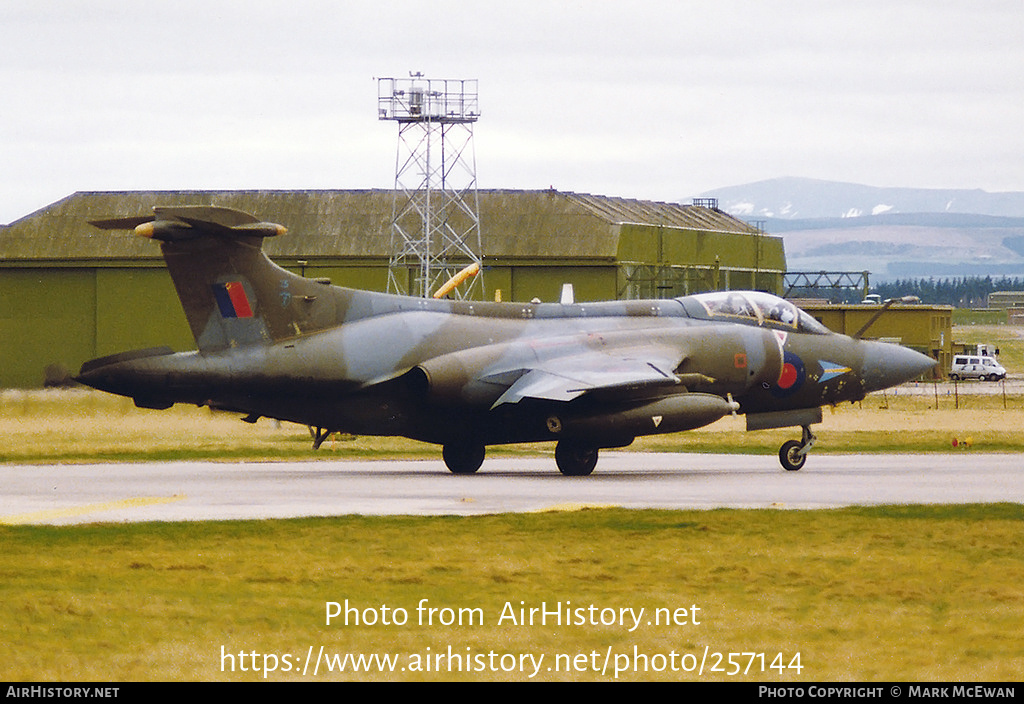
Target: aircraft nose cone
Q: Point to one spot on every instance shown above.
(886, 365)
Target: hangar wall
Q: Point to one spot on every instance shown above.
(70, 292)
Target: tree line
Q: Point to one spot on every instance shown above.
(964, 292)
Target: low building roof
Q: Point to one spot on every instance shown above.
(356, 223)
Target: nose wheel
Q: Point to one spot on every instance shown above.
(793, 453)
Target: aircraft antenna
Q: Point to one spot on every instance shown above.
(435, 221)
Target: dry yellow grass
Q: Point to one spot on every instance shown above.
(80, 426)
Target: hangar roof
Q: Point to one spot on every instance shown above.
(356, 223)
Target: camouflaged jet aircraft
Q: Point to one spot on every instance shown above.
(465, 374)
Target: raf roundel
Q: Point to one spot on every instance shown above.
(792, 377)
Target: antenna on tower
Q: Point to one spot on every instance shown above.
(435, 221)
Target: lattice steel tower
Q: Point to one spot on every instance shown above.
(435, 222)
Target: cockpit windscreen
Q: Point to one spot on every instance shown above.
(758, 308)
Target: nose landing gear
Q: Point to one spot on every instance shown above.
(793, 453)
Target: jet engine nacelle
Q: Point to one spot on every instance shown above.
(455, 377)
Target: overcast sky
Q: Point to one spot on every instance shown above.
(657, 99)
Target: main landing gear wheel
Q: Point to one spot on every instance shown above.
(793, 453)
(463, 458)
(575, 459)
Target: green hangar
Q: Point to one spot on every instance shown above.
(70, 292)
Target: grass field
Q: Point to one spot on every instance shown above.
(889, 593)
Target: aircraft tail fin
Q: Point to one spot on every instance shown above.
(231, 292)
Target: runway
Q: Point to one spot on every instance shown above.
(68, 494)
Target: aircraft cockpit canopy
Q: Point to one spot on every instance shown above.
(754, 308)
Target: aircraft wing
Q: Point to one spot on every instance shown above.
(565, 378)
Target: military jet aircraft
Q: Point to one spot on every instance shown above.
(466, 374)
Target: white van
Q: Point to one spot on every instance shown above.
(976, 367)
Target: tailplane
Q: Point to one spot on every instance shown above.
(232, 294)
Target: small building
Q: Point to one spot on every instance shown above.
(1006, 299)
(70, 292)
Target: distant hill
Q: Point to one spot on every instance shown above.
(937, 220)
(803, 198)
(891, 232)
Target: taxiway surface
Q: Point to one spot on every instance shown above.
(64, 494)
